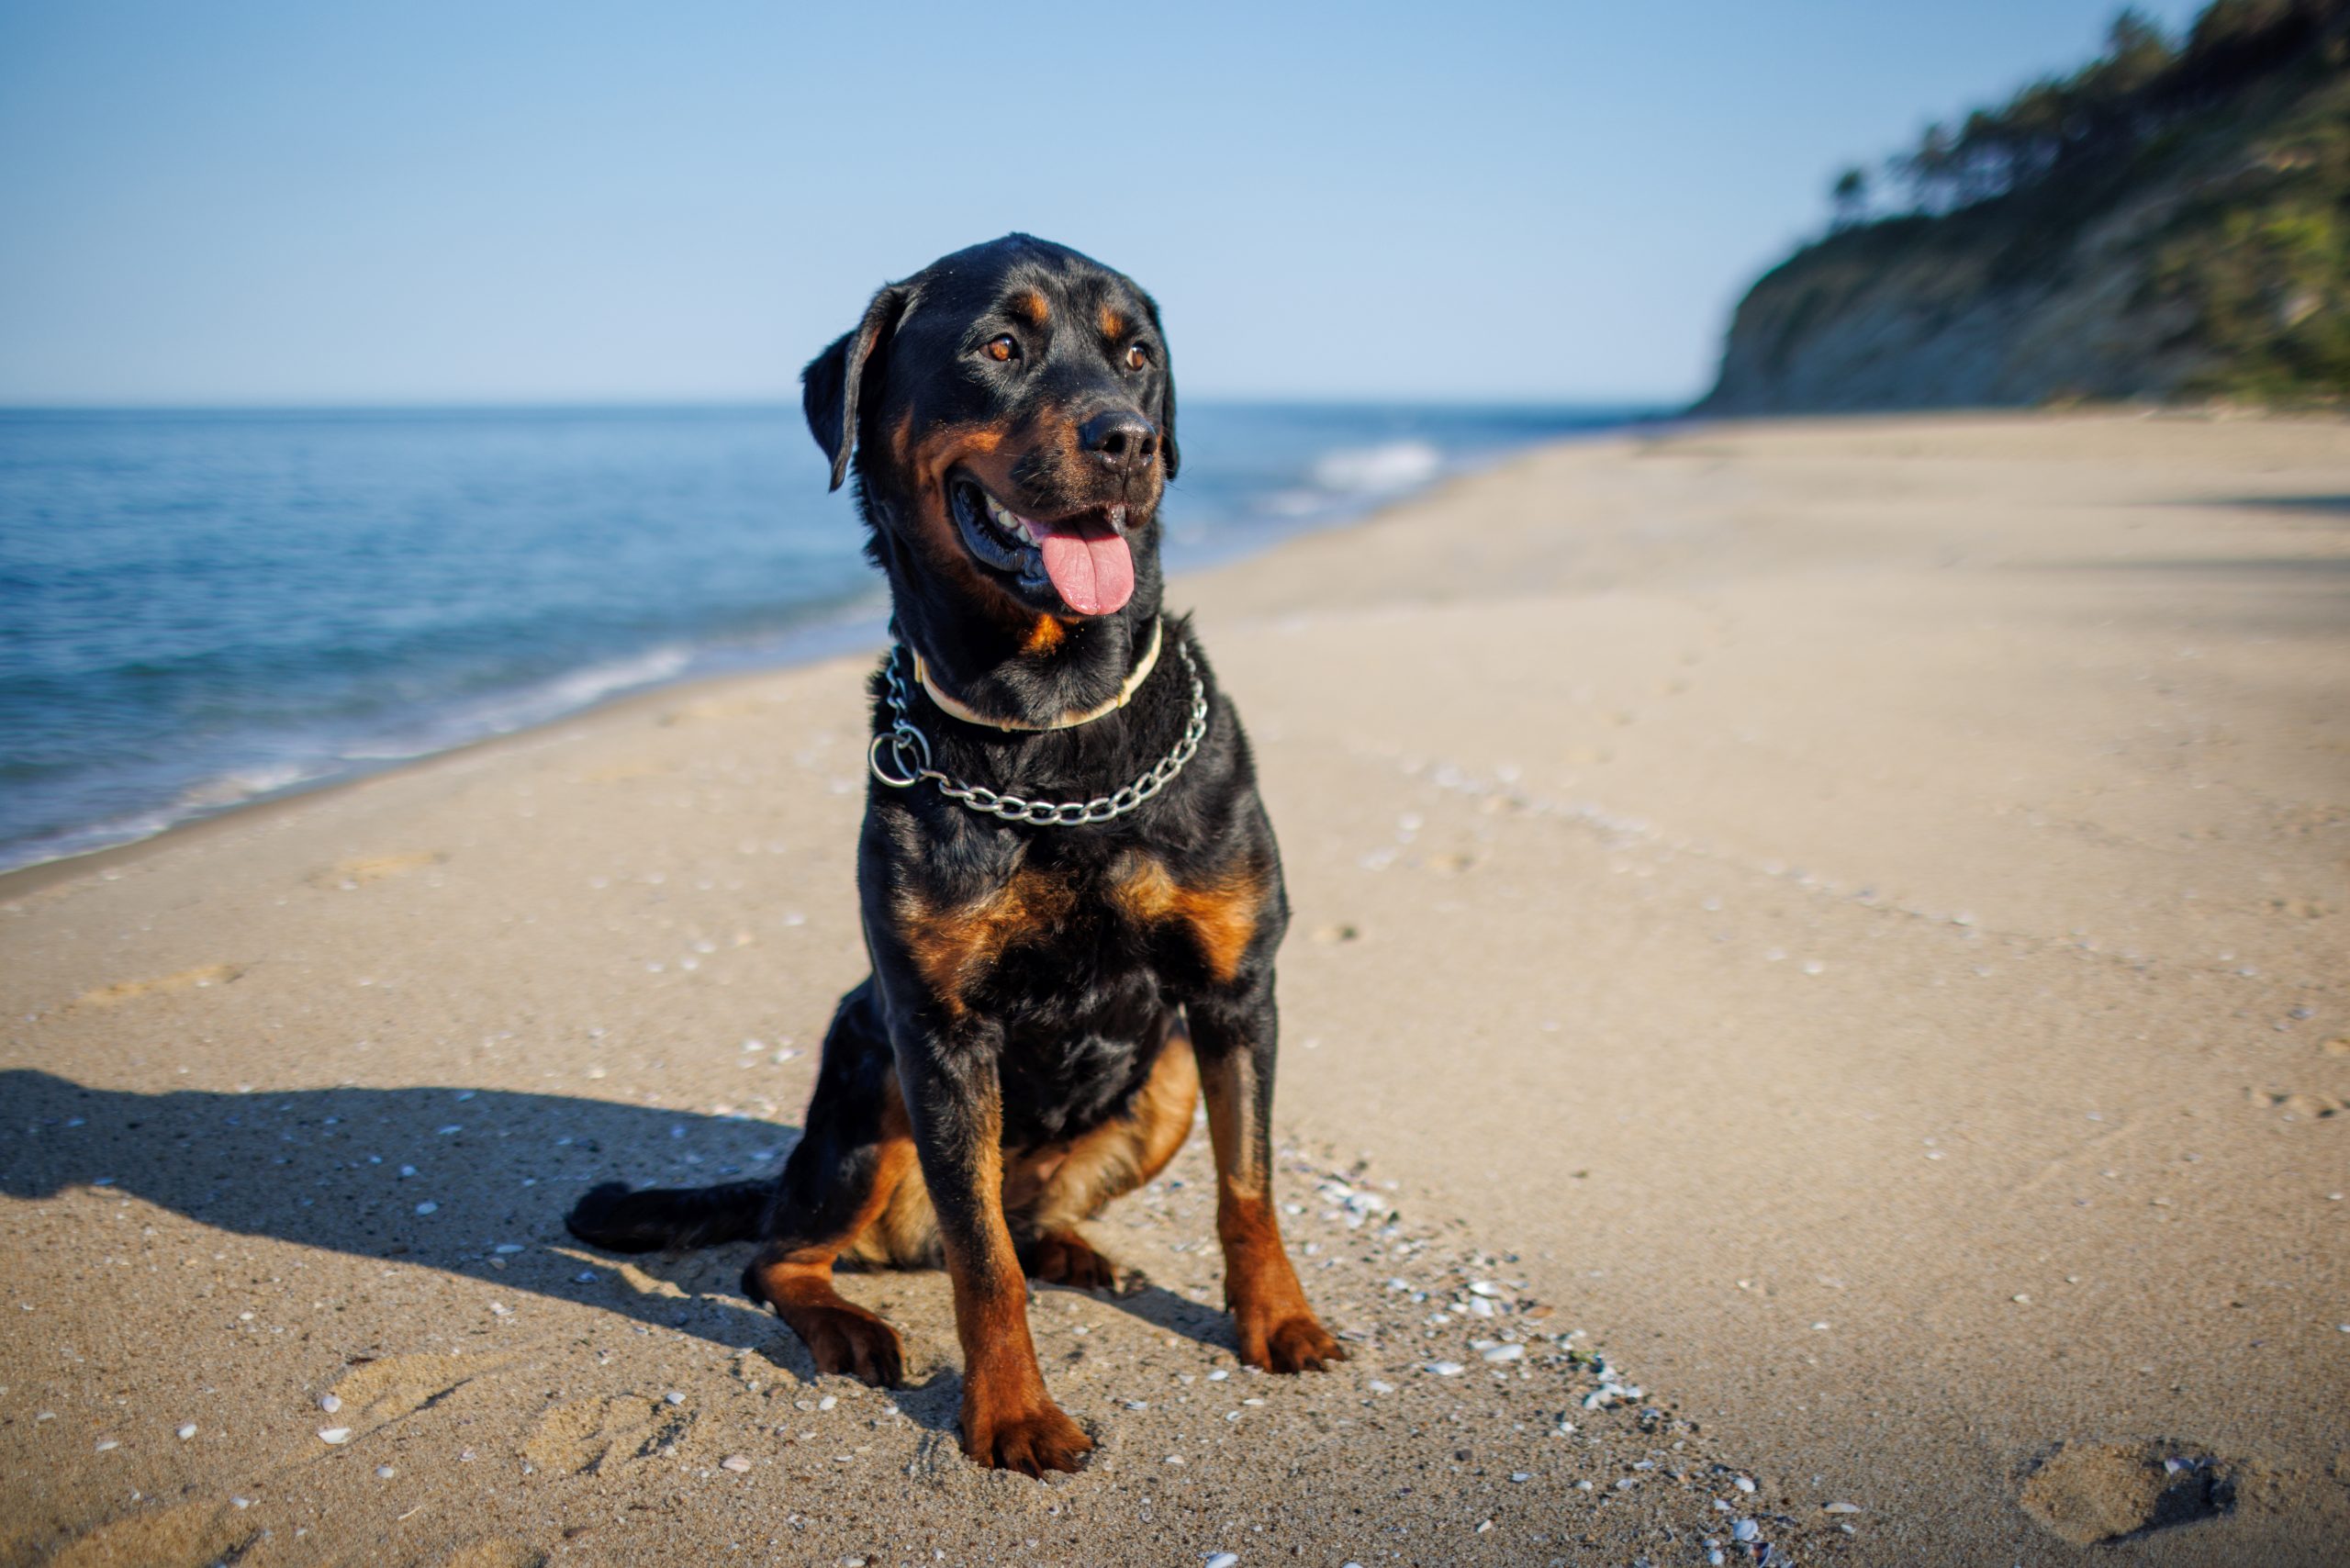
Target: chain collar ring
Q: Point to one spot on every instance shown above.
(900, 757)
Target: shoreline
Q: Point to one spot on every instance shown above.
(1840, 918)
(828, 629)
(846, 629)
(24, 881)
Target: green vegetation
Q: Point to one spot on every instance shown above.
(2266, 266)
(2181, 208)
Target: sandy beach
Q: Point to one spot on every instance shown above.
(1818, 1023)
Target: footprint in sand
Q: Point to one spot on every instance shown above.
(2298, 1107)
(375, 1394)
(187, 1533)
(495, 1552)
(344, 874)
(582, 1438)
(626, 772)
(2087, 1493)
(372, 1397)
(115, 995)
(709, 707)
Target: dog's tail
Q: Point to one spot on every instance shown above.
(674, 1219)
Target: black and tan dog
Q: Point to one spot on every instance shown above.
(1071, 892)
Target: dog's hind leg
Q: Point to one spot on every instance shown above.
(848, 1167)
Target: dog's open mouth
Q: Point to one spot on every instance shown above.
(1083, 555)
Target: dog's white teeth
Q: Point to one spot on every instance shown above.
(1009, 522)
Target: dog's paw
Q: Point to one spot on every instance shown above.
(1065, 1258)
(1293, 1344)
(851, 1342)
(1030, 1441)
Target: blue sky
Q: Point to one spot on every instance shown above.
(307, 203)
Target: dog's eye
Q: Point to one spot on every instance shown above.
(1003, 350)
(1137, 357)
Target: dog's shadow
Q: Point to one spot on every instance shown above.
(470, 1182)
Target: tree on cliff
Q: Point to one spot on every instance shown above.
(1850, 194)
(2172, 219)
(2141, 87)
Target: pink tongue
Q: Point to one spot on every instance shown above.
(1095, 573)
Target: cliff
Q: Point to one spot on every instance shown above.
(2190, 239)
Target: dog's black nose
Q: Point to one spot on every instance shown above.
(1120, 439)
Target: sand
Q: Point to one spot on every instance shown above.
(1846, 922)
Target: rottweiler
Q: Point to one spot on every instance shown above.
(1069, 888)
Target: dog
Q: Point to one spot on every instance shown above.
(1069, 888)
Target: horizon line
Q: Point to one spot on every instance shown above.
(10, 407)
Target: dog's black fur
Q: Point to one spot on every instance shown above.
(1043, 1001)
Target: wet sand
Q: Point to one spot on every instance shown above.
(1847, 923)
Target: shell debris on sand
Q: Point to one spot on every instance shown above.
(1449, 1351)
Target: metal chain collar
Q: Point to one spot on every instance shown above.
(910, 753)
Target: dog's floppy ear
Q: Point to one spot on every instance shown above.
(1164, 415)
(834, 382)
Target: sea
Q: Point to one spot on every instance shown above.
(201, 609)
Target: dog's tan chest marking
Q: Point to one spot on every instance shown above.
(954, 944)
(1220, 912)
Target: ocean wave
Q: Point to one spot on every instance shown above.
(245, 784)
(322, 758)
(1346, 480)
(1378, 470)
(508, 712)
(106, 835)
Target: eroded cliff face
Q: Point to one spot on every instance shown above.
(1846, 327)
(2218, 263)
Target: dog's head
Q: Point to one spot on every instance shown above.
(1010, 418)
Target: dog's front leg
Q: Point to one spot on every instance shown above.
(954, 1097)
(1233, 1036)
